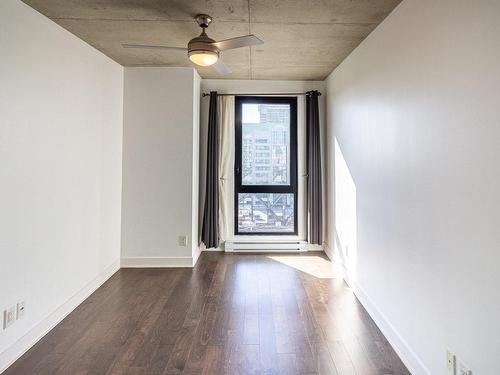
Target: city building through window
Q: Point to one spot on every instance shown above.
(266, 165)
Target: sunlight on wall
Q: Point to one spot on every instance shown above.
(345, 215)
(313, 265)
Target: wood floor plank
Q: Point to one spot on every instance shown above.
(231, 314)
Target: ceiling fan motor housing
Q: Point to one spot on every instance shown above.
(202, 50)
(202, 43)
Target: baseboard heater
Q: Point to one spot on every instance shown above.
(268, 246)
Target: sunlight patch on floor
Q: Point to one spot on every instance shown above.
(313, 265)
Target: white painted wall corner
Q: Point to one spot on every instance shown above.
(399, 344)
(24, 343)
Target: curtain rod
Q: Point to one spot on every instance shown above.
(263, 94)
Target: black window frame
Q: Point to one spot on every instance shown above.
(292, 188)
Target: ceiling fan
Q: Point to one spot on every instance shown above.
(205, 51)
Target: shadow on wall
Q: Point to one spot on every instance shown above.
(346, 240)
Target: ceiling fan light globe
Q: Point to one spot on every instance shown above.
(203, 58)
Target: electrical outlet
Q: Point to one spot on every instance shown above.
(183, 241)
(462, 368)
(20, 309)
(9, 316)
(451, 362)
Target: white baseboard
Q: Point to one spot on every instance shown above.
(329, 252)
(157, 262)
(402, 348)
(197, 253)
(23, 344)
(212, 250)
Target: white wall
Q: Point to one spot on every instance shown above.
(415, 112)
(195, 186)
(160, 159)
(60, 171)
(256, 86)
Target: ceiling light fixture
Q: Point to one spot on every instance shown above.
(203, 50)
(203, 58)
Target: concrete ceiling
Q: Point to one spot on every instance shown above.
(304, 39)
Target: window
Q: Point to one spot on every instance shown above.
(266, 165)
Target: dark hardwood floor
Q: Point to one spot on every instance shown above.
(232, 314)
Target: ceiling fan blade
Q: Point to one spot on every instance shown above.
(149, 46)
(221, 67)
(238, 42)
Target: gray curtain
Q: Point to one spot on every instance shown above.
(314, 179)
(210, 227)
